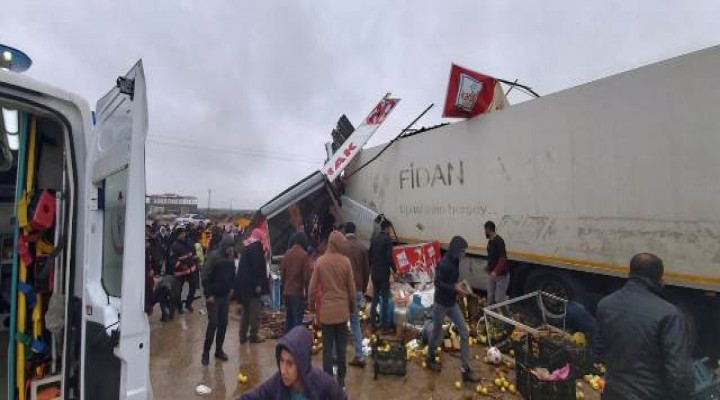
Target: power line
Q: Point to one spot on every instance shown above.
(236, 150)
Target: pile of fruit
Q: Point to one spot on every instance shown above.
(596, 382)
(317, 340)
(502, 383)
(242, 378)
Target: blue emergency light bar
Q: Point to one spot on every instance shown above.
(12, 59)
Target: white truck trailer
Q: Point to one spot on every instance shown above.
(80, 332)
(577, 182)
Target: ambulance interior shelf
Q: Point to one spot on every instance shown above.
(40, 172)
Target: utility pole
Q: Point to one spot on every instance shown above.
(231, 210)
(209, 196)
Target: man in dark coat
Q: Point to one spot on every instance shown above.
(251, 284)
(185, 268)
(447, 288)
(218, 278)
(359, 259)
(381, 268)
(644, 338)
(297, 378)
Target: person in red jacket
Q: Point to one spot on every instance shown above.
(497, 266)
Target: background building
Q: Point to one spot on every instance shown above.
(170, 203)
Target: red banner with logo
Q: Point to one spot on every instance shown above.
(471, 93)
(416, 263)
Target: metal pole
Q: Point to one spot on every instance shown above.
(528, 88)
(391, 142)
(20, 187)
(209, 195)
(511, 88)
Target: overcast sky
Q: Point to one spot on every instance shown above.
(243, 95)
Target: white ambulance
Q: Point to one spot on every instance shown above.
(72, 200)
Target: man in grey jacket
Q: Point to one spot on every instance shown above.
(644, 336)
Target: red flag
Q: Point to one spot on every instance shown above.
(471, 93)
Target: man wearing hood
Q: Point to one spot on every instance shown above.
(296, 379)
(447, 288)
(333, 273)
(218, 277)
(295, 276)
(645, 344)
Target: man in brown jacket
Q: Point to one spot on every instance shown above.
(295, 272)
(333, 276)
(360, 261)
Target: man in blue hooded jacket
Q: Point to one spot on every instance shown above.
(447, 289)
(297, 379)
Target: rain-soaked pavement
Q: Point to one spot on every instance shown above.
(176, 370)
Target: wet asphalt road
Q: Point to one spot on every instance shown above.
(176, 347)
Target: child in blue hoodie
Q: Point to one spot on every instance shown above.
(297, 379)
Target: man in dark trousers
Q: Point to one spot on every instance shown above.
(497, 266)
(447, 289)
(185, 269)
(381, 268)
(295, 274)
(360, 261)
(252, 283)
(218, 279)
(644, 337)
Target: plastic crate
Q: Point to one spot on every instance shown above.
(392, 362)
(711, 392)
(533, 389)
(707, 385)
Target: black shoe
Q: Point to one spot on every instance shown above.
(341, 382)
(468, 376)
(256, 340)
(180, 310)
(164, 318)
(206, 358)
(189, 307)
(433, 366)
(220, 355)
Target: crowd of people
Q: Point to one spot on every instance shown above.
(644, 347)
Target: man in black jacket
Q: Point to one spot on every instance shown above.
(447, 288)
(381, 267)
(252, 283)
(185, 268)
(218, 277)
(644, 338)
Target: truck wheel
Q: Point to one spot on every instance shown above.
(557, 284)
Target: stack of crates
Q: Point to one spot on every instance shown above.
(529, 316)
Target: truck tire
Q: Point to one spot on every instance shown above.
(555, 283)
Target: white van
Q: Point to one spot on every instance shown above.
(75, 324)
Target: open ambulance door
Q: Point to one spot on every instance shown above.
(115, 332)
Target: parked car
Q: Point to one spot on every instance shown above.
(191, 219)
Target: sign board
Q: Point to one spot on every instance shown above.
(416, 263)
(351, 147)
